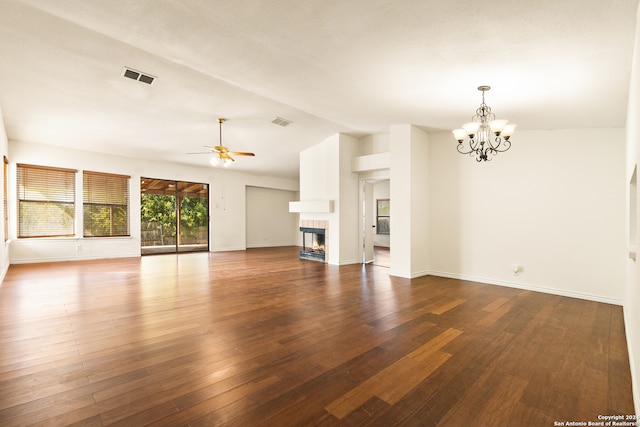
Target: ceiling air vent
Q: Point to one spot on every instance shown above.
(281, 122)
(137, 75)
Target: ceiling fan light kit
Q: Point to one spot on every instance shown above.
(484, 136)
(217, 159)
(220, 155)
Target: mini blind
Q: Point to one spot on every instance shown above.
(105, 204)
(46, 201)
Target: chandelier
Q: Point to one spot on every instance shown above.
(484, 136)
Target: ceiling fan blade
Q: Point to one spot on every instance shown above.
(201, 152)
(221, 152)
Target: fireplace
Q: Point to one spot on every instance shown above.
(313, 243)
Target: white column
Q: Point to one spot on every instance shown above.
(409, 201)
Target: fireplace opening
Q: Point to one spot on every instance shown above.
(312, 243)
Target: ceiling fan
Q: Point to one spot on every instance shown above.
(220, 153)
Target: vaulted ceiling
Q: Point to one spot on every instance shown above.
(327, 66)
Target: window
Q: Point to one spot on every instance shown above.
(106, 204)
(46, 201)
(382, 216)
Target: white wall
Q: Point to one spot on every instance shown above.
(632, 290)
(269, 222)
(227, 202)
(316, 165)
(410, 197)
(373, 144)
(349, 191)
(553, 204)
(325, 174)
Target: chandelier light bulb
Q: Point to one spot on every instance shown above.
(460, 134)
(213, 160)
(508, 131)
(497, 126)
(471, 128)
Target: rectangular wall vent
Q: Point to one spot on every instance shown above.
(281, 122)
(137, 75)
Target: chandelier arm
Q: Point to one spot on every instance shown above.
(497, 140)
(507, 145)
(475, 146)
(501, 142)
(461, 147)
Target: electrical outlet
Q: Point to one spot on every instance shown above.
(78, 248)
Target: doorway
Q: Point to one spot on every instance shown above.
(174, 216)
(375, 221)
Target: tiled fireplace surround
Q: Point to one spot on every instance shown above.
(314, 223)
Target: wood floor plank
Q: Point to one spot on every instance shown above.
(393, 382)
(448, 306)
(260, 337)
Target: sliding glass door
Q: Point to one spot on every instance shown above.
(193, 216)
(174, 216)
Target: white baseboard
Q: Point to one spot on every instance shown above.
(228, 249)
(64, 259)
(553, 291)
(3, 273)
(410, 276)
(347, 262)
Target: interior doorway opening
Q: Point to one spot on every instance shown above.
(174, 216)
(375, 221)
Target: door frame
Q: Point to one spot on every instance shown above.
(179, 191)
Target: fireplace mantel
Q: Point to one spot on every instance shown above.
(311, 206)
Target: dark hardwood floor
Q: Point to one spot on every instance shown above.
(261, 338)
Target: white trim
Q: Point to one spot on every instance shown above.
(553, 291)
(410, 276)
(351, 262)
(4, 273)
(311, 206)
(228, 249)
(63, 259)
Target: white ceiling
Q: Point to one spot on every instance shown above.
(352, 66)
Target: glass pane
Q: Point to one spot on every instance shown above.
(105, 220)
(40, 219)
(383, 225)
(383, 207)
(158, 223)
(194, 223)
(174, 216)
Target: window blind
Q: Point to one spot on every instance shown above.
(46, 201)
(105, 204)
